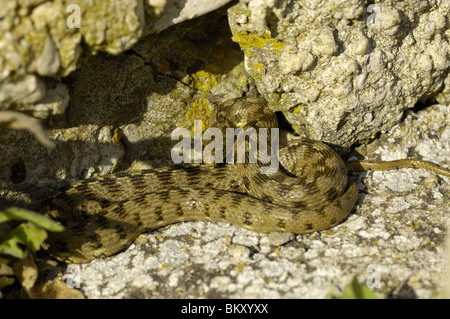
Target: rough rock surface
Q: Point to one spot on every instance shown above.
(341, 70)
(110, 92)
(114, 112)
(40, 38)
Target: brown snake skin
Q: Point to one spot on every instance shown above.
(311, 192)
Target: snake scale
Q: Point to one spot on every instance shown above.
(310, 192)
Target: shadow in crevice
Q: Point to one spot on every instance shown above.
(113, 90)
(404, 292)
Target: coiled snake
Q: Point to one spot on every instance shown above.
(310, 192)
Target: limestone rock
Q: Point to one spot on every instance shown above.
(344, 71)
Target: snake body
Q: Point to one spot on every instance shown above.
(310, 192)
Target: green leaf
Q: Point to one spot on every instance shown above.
(27, 234)
(39, 220)
(6, 281)
(357, 291)
(10, 247)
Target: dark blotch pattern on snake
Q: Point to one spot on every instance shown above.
(312, 192)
